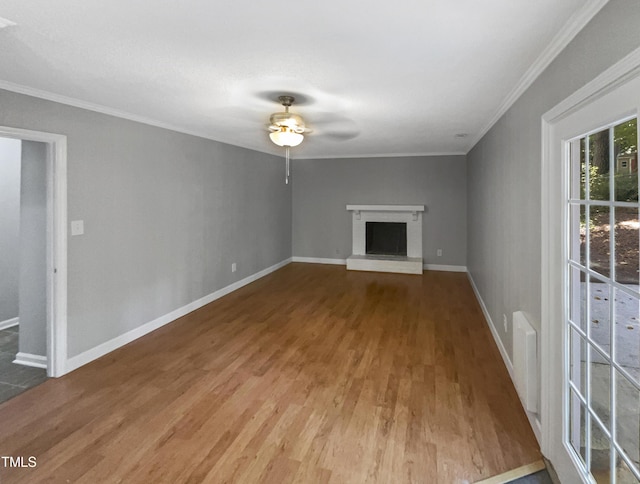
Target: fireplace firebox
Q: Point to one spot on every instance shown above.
(386, 238)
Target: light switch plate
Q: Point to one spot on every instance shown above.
(77, 227)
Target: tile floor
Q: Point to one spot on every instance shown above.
(15, 379)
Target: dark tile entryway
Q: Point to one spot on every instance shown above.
(15, 379)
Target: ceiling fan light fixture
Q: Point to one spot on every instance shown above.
(286, 137)
(286, 130)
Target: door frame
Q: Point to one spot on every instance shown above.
(553, 227)
(56, 243)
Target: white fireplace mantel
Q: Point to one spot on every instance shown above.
(414, 209)
(411, 215)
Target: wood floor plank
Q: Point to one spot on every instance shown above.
(311, 374)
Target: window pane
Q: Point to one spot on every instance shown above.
(583, 170)
(578, 361)
(599, 165)
(600, 386)
(627, 242)
(599, 298)
(578, 231)
(578, 298)
(600, 454)
(577, 169)
(623, 473)
(600, 254)
(626, 161)
(577, 426)
(627, 333)
(627, 417)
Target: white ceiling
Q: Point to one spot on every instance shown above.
(406, 76)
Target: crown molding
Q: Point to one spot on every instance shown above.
(99, 108)
(381, 155)
(567, 33)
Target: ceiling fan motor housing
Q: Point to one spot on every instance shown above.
(287, 119)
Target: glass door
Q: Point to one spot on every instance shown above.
(602, 323)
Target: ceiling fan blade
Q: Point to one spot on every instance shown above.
(333, 125)
(341, 135)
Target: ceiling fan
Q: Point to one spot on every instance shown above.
(287, 129)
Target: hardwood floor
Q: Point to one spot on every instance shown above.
(312, 374)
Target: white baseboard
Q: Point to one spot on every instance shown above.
(9, 323)
(319, 260)
(27, 359)
(445, 268)
(494, 331)
(77, 361)
(534, 421)
(343, 262)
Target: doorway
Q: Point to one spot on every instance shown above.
(590, 277)
(43, 161)
(23, 220)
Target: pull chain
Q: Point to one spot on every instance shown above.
(286, 178)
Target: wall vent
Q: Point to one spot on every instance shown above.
(525, 361)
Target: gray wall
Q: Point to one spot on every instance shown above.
(323, 187)
(165, 216)
(504, 255)
(33, 249)
(9, 227)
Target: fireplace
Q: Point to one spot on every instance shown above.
(386, 238)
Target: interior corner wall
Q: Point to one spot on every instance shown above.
(322, 188)
(33, 249)
(504, 170)
(165, 215)
(10, 150)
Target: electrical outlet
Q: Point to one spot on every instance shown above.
(439, 252)
(77, 227)
(506, 326)
(233, 267)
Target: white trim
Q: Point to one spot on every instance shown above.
(99, 108)
(494, 331)
(96, 352)
(566, 34)
(319, 260)
(534, 422)
(56, 242)
(27, 359)
(342, 262)
(444, 268)
(617, 74)
(383, 155)
(9, 323)
(386, 208)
